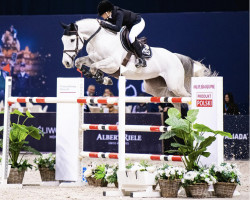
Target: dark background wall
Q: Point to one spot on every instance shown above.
(51, 7)
(215, 31)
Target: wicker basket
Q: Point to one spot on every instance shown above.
(198, 190)
(169, 188)
(15, 176)
(91, 180)
(224, 190)
(100, 183)
(47, 174)
(116, 184)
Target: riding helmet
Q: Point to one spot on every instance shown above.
(104, 6)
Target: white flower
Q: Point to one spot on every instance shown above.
(232, 180)
(151, 169)
(88, 173)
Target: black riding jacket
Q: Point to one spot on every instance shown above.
(121, 17)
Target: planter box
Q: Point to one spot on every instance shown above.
(134, 181)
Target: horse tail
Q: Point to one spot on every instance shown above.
(200, 70)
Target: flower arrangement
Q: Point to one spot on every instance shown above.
(226, 172)
(201, 176)
(96, 175)
(111, 175)
(142, 166)
(46, 161)
(170, 173)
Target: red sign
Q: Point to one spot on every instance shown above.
(204, 103)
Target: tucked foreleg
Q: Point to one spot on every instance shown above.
(83, 61)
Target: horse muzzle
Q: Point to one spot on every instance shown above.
(67, 64)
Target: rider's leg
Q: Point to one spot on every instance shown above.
(134, 32)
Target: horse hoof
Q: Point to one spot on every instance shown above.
(107, 81)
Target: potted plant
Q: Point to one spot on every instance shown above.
(100, 175)
(46, 165)
(169, 179)
(196, 182)
(194, 142)
(138, 174)
(111, 175)
(89, 174)
(17, 143)
(227, 177)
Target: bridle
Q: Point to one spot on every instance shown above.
(76, 50)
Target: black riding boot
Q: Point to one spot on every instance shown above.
(138, 51)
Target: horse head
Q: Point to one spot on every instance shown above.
(72, 43)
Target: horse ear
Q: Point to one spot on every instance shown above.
(64, 25)
(73, 27)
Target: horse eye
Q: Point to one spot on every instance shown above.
(72, 40)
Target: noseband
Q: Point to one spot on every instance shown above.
(76, 50)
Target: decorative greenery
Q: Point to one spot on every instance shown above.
(170, 173)
(100, 172)
(142, 166)
(226, 172)
(18, 134)
(24, 165)
(195, 144)
(46, 161)
(111, 175)
(90, 171)
(201, 176)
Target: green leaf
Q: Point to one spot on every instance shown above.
(206, 154)
(17, 112)
(207, 142)
(192, 115)
(173, 112)
(202, 128)
(29, 115)
(167, 135)
(194, 155)
(178, 145)
(223, 133)
(34, 132)
(198, 138)
(179, 124)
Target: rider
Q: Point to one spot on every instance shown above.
(119, 17)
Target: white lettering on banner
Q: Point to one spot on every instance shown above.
(204, 95)
(48, 130)
(67, 89)
(204, 86)
(204, 103)
(115, 137)
(238, 136)
(106, 137)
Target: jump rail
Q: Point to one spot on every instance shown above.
(113, 127)
(100, 100)
(153, 157)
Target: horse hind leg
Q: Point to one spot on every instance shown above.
(181, 92)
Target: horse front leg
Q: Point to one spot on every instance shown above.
(96, 68)
(85, 60)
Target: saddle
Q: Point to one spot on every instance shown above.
(124, 37)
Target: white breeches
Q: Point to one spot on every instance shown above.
(136, 30)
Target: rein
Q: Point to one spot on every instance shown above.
(76, 50)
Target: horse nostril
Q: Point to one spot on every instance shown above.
(67, 63)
